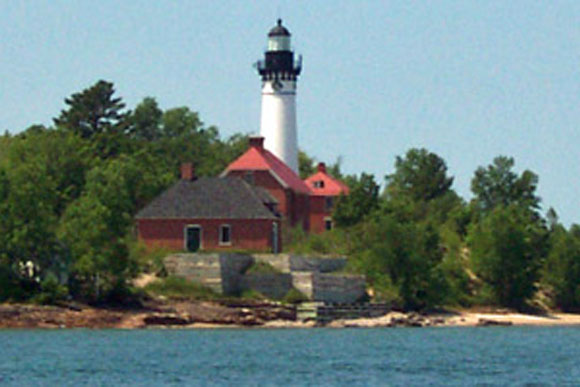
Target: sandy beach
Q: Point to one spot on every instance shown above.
(459, 319)
(206, 315)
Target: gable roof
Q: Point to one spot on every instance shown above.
(210, 198)
(329, 187)
(257, 158)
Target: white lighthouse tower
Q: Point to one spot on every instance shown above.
(279, 72)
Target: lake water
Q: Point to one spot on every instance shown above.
(349, 357)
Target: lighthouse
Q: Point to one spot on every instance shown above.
(279, 71)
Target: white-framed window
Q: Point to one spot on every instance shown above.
(225, 235)
(318, 184)
(328, 224)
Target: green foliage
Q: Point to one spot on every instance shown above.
(294, 296)
(177, 288)
(421, 175)
(498, 185)
(145, 121)
(404, 256)
(51, 291)
(148, 259)
(561, 271)
(261, 268)
(252, 294)
(334, 242)
(506, 253)
(306, 165)
(93, 111)
(362, 200)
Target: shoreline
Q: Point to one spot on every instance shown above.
(207, 315)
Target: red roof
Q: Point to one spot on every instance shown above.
(259, 159)
(322, 184)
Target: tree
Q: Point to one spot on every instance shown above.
(421, 175)
(145, 120)
(506, 250)
(402, 261)
(360, 202)
(561, 271)
(498, 185)
(178, 122)
(93, 111)
(95, 227)
(306, 165)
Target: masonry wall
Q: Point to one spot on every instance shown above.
(220, 272)
(318, 214)
(246, 234)
(265, 180)
(225, 273)
(292, 262)
(293, 206)
(341, 288)
(272, 285)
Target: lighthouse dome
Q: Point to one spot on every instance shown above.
(279, 30)
(279, 38)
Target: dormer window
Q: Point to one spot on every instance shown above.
(318, 184)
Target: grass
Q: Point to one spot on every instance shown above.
(176, 288)
(262, 268)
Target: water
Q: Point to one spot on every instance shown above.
(349, 357)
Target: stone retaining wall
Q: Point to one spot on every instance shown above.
(291, 262)
(339, 288)
(225, 273)
(271, 285)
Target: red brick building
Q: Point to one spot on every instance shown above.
(211, 214)
(261, 168)
(245, 208)
(324, 191)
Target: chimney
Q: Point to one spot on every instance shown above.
(187, 172)
(322, 167)
(257, 142)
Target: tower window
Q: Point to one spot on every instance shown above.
(225, 234)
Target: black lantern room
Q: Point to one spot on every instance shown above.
(279, 60)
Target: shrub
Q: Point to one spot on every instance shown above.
(261, 268)
(51, 291)
(294, 296)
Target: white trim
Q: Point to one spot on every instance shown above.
(223, 225)
(328, 219)
(278, 178)
(185, 235)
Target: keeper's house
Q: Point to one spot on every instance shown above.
(261, 168)
(324, 192)
(211, 214)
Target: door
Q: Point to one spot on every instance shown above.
(192, 238)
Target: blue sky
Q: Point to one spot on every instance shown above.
(468, 80)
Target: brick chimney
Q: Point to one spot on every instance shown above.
(257, 142)
(187, 172)
(322, 167)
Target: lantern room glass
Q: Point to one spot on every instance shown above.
(279, 43)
